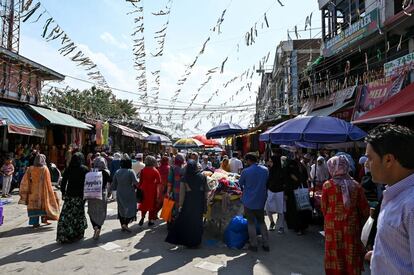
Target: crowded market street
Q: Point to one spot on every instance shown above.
(28, 251)
(207, 137)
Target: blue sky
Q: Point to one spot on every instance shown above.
(102, 29)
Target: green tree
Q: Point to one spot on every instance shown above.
(94, 102)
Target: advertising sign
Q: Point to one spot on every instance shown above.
(399, 66)
(357, 31)
(374, 94)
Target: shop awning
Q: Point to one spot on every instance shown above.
(399, 105)
(57, 118)
(19, 121)
(328, 110)
(128, 132)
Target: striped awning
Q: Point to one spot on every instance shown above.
(19, 121)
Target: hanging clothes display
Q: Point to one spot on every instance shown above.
(105, 133)
(98, 128)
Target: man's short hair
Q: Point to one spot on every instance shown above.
(393, 139)
(235, 155)
(251, 156)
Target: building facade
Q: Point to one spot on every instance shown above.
(279, 90)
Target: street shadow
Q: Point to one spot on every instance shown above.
(45, 253)
(55, 250)
(26, 230)
(152, 244)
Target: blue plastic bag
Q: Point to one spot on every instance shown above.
(236, 235)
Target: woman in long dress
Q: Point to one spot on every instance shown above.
(296, 177)
(124, 183)
(97, 208)
(187, 229)
(36, 192)
(275, 203)
(150, 179)
(345, 210)
(72, 222)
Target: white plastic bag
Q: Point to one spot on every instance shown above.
(302, 199)
(93, 186)
(366, 230)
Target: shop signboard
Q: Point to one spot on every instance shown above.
(374, 94)
(336, 98)
(357, 31)
(399, 66)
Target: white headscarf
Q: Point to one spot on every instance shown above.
(322, 173)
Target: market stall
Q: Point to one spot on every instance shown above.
(224, 199)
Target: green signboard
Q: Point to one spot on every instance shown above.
(358, 30)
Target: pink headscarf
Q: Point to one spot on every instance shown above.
(338, 167)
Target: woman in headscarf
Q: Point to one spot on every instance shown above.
(36, 192)
(345, 210)
(187, 229)
(150, 179)
(174, 180)
(72, 222)
(275, 202)
(124, 183)
(97, 208)
(164, 170)
(321, 174)
(225, 165)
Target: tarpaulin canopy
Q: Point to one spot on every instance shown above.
(207, 142)
(399, 105)
(328, 110)
(313, 129)
(58, 118)
(19, 121)
(225, 130)
(128, 132)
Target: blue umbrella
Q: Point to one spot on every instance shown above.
(225, 130)
(313, 130)
(158, 139)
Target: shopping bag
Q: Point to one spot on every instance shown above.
(167, 208)
(93, 186)
(302, 199)
(366, 230)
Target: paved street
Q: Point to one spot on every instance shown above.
(28, 251)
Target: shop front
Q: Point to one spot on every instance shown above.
(17, 126)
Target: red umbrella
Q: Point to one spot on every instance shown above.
(207, 142)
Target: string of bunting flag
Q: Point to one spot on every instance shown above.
(53, 31)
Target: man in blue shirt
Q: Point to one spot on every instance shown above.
(389, 152)
(253, 181)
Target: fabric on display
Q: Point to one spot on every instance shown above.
(105, 133)
(98, 128)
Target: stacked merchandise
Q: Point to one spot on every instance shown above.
(224, 198)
